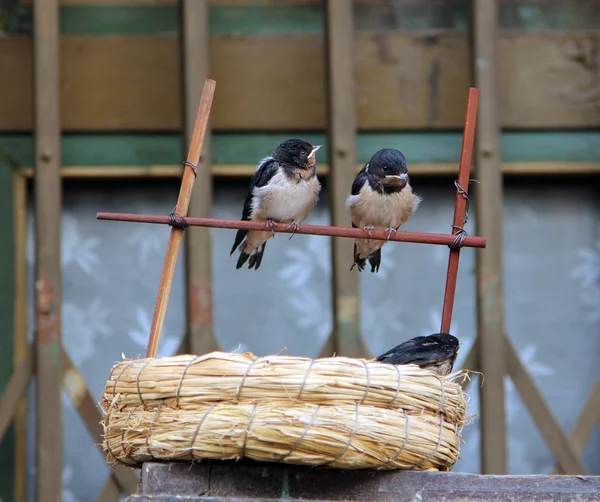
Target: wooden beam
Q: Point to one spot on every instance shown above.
(490, 323)
(221, 171)
(75, 386)
(15, 389)
(195, 60)
(403, 81)
(20, 323)
(543, 417)
(345, 339)
(586, 423)
(48, 202)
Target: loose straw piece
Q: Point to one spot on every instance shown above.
(183, 203)
(460, 207)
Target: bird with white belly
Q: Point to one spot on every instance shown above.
(284, 189)
(381, 198)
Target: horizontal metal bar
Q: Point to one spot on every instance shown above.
(353, 233)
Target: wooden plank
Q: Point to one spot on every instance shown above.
(195, 60)
(563, 450)
(258, 481)
(226, 171)
(404, 81)
(20, 323)
(346, 339)
(48, 202)
(15, 389)
(586, 423)
(560, 149)
(490, 322)
(73, 383)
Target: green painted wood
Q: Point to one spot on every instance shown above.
(272, 19)
(249, 148)
(7, 302)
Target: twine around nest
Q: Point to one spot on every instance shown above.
(222, 377)
(373, 438)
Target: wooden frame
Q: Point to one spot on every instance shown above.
(567, 452)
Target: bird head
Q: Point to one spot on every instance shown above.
(296, 152)
(388, 167)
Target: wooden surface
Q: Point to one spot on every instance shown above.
(577, 149)
(345, 339)
(182, 207)
(48, 206)
(403, 81)
(262, 481)
(195, 52)
(490, 307)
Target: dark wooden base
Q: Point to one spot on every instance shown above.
(251, 481)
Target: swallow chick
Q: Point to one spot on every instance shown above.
(381, 198)
(284, 189)
(435, 352)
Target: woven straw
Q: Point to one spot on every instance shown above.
(332, 412)
(222, 376)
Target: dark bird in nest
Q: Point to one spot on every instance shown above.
(284, 189)
(381, 198)
(436, 352)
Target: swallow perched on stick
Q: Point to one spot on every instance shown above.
(381, 198)
(284, 189)
(435, 352)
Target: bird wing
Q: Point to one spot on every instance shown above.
(421, 349)
(359, 181)
(263, 174)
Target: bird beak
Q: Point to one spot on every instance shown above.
(314, 151)
(397, 179)
(311, 157)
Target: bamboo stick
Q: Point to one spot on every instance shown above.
(183, 203)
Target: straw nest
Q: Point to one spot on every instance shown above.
(333, 412)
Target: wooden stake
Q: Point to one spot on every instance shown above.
(183, 203)
(488, 266)
(48, 279)
(460, 207)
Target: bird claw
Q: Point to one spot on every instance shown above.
(294, 226)
(389, 232)
(271, 225)
(369, 229)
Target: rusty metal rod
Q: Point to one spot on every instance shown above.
(183, 203)
(353, 233)
(460, 208)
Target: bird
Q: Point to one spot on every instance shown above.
(436, 352)
(382, 198)
(283, 189)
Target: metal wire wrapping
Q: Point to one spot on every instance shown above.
(459, 231)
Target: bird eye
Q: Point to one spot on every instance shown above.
(303, 152)
(385, 169)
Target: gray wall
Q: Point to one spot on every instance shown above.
(552, 290)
